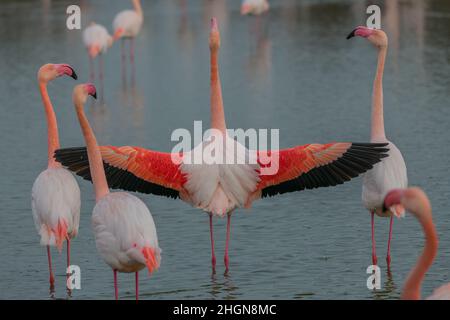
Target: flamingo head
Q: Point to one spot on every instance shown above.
(376, 36)
(413, 199)
(50, 71)
(82, 91)
(214, 35)
(245, 8)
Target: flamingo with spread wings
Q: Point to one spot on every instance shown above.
(216, 188)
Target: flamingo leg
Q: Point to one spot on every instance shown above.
(132, 60)
(137, 286)
(116, 289)
(101, 76)
(52, 277)
(388, 256)
(374, 253)
(124, 68)
(213, 256)
(226, 258)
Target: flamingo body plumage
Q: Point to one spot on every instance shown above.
(124, 230)
(255, 7)
(96, 39)
(56, 206)
(128, 23)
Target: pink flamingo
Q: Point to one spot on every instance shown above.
(125, 234)
(217, 188)
(55, 196)
(97, 41)
(255, 7)
(127, 25)
(415, 201)
(391, 172)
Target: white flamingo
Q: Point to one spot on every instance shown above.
(97, 40)
(391, 172)
(125, 234)
(55, 196)
(127, 25)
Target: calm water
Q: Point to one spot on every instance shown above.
(292, 70)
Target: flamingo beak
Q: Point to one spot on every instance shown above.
(351, 34)
(361, 32)
(67, 70)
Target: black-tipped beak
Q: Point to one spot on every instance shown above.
(351, 34)
(94, 95)
(73, 75)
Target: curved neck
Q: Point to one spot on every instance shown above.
(411, 289)
(137, 7)
(217, 113)
(377, 99)
(94, 156)
(52, 126)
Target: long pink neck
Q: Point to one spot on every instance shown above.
(217, 113)
(94, 156)
(377, 132)
(52, 126)
(411, 289)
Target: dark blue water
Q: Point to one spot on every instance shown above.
(292, 70)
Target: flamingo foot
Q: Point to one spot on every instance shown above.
(226, 260)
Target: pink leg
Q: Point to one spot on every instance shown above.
(388, 257)
(91, 68)
(225, 258)
(374, 254)
(132, 50)
(116, 289)
(213, 256)
(137, 286)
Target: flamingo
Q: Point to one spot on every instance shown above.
(218, 189)
(255, 7)
(127, 25)
(125, 234)
(97, 41)
(415, 201)
(391, 172)
(55, 196)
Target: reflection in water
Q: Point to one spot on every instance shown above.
(389, 289)
(260, 59)
(99, 115)
(133, 100)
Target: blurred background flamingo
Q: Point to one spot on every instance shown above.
(55, 196)
(415, 201)
(125, 234)
(391, 172)
(255, 7)
(97, 40)
(127, 25)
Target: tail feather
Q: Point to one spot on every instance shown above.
(152, 258)
(60, 233)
